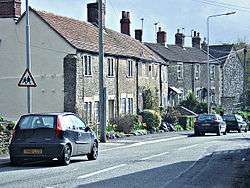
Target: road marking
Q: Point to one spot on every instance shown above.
(153, 156)
(101, 171)
(145, 143)
(188, 147)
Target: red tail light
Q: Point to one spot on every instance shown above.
(58, 127)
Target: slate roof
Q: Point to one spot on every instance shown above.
(84, 36)
(179, 54)
(220, 51)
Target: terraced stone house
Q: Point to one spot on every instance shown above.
(188, 69)
(64, 55)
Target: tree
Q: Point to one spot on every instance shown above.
(150, 99)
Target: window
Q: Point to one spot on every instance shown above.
(212, 95)
(67, 123)
(110, 67)
(212, 72)
(97, 118)
(123, 106)
(150, 70)
(130, 105)
(140, 68)
(36, 122)
(88, 111)
(130, 68)
(77, 122)
(87, 65)
(180, 71)
(164, 74)
(197, 71)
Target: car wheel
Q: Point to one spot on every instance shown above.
(219, 132)
(245, 130)
(66, 155)
(94, 152)
(224, 133)
(239, 130)
(228, 130)
(15, 161)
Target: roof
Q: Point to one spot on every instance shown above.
(177, 53)
(49, 114)
(220, 51)
(84, 36)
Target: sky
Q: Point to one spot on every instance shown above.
(169, 14)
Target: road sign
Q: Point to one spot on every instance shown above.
(27, 80)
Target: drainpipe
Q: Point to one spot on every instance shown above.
(117, 88)
(137, 86)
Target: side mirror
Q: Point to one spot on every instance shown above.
(87, 129)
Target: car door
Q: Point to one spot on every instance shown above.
(84, 137)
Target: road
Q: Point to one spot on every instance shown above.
(163, 160)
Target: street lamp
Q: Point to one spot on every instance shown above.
(208, 68)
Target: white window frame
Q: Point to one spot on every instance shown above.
(130, 68)
(212, 72)
(130, 105)
(180, 71)
(87, 65)
(111, 67)
(197, 71)
(123, 105)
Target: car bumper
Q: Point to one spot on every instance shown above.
(207, 129)
(49, 150)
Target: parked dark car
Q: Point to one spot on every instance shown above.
(50, 136)
(209, 123)
(235, 123)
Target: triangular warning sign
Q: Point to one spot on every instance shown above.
(27, 80)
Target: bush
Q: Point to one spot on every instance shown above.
(126, 123)
(178, 127)
(152, 119)
(150, 99)
(171, 115)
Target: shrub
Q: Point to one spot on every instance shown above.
(126, 123)
(171, 115)
(152, 119)
(150, 99)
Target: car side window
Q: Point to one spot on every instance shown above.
(78, 123)
(67, 123)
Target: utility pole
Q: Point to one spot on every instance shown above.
(245, 77)
(102, 89)
(28, 57)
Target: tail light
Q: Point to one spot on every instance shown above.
(58, 127)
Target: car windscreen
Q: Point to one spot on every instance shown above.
(206, 117)
(229, 118)
(36, 122)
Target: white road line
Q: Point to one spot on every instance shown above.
(188, 147)
(152, 156)
(101, 171)
(145, 143)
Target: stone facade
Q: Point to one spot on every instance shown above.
(233, 80)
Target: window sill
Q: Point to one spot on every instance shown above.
(110, 76)
(129, 76)
(88, 76)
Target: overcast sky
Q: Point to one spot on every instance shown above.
(171, 14)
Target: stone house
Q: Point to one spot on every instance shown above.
(232, 76)
(188, 69)
(64, 56)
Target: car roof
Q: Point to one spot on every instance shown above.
(50, 114)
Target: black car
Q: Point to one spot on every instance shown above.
(209, 123)
(50, 136)
(235, 123)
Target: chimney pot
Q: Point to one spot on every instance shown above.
(161, 37)
(194, 33)
(10, 8)
(196, 41)
(179, 38)
(138, 34)
(92, 11)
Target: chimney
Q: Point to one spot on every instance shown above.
(10, 8)
(196, 40)
(92, 11)
(125, 23)
(138, 34)
(204, 45)
(161, 37)
(179, 38)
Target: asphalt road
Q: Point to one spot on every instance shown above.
(163, 160)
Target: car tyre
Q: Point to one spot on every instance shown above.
(94, 152)
(245, 130)
(15, 161)
(224, 133)
(219, 132)
(66, 155)
(239, 130)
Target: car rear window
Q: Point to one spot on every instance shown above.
(35, 122)
(229, 118)
(206, 117)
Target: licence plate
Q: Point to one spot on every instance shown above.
(32, 151)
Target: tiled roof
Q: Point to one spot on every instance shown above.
(220, 51)
(84, 36)
(176, 53)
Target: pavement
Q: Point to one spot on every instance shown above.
(159, 160)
